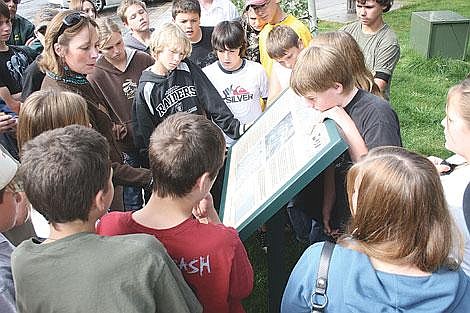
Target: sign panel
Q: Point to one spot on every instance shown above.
(277, 157)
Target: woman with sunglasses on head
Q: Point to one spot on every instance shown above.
(70, 53)
(395, 254)
(455, 171)
(85, 6)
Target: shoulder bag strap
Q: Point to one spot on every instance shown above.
(319, 299)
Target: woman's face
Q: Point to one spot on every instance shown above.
(456, 129)
(82, 51)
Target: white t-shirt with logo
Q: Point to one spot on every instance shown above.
(241, 89)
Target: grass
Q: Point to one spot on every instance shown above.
(418, 95)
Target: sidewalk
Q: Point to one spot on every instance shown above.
(335, 10)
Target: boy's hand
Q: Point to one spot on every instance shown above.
(7, 122)
(205, 211)
(438, 163)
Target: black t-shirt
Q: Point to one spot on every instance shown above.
(466, 206)
(203, 53)
(32, 79)
(13, 64)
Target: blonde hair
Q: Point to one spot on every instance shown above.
(401, 213)
(169, 35)
(78, 4)
(347, 46)
(48, 109)
(318, 68)
(50, 61)
(125, 4)
(106, 27)
(280, 39)
(461, 94)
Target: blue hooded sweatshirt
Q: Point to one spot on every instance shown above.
(355, 286)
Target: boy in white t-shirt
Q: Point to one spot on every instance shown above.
(240, 82)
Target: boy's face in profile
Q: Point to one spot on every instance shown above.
(322, 100)
(255, 21)
(14, 208)
(169, 58)
(5, 28)
(137, 18)
(189, 22)
(230, 59)
(289, 59)
(369, 12)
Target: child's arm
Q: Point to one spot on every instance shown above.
(241, 274)
(10, 100)
(205, 211)
(142, 121)
(357, 146)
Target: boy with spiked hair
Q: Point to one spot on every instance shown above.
(67, 177)
(134, 15)
(186, 152)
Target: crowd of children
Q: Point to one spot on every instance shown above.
(94, 121)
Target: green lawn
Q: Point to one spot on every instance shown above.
(418, 95)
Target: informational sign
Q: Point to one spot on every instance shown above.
(286, 148)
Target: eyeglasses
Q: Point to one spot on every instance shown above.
(260, 7)
(70, 20)
(42, 30)
(15, 186)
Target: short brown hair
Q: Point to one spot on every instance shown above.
(169, 35)
(62, 171)
(50, 61)
(48, 109)
(318, 68)
(401, 212)
(125, 4)
(182, 148)
(385, 3)
(185, 6)
(4, 10)
(280, 39)
(346, 45)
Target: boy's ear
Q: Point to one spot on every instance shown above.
(338, 87)
(300, 44)
(204, 183)
(100, 203)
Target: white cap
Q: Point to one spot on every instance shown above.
(8, 168)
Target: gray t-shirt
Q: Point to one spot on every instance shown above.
(7, 289)
(381, 51)
(89, 273)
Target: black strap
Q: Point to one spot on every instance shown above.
(319, 299)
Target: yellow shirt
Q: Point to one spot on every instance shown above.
(300, 29)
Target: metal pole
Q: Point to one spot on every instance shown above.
(312, 16)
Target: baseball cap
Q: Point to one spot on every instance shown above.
(254, 2)
(8, 166)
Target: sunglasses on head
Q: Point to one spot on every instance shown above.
(42, 30)
(69, 21)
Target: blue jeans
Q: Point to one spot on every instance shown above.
(132, 195)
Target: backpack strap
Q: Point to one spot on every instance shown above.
(319, 299)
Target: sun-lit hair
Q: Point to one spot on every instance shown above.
(280, 39)
(399, 210)
(169, 35)
(50, 61)
(125, 4)
(48, 109)
(318, 68)
(460, 94)
(347, 46)
(106, 28)
(78, 5)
